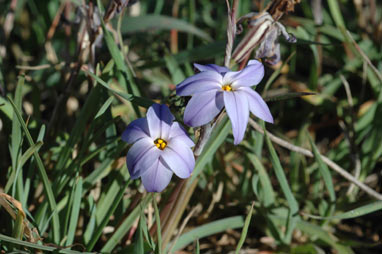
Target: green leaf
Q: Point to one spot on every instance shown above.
(208, 229)
(143, 225)
(336, 13)
(110, 210)
(305, 249)
(324, 235)
(44, 176)
(324, 170)
(159, 231)
(268, 195)
(28, 153)
(316, 232)
(138, 243)
(102, 169)
(6, 108)
(176, 72)
(140, 101)
(118, 58)
(104, 107)
(87, 111)
(160, 22)
(16, 136)
(92, 220)
(116, 54)
(357, 212)
(107, 201)
(197, 248)
(125, 226)
(76, 205)
(24, 158)
(245, 230)
(293, 205)
(38, 246)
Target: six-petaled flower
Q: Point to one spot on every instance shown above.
(216, 87)
(160, 148)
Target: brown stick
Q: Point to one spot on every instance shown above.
(329, 162)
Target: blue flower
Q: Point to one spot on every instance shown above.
(216, 87)
(160, 148)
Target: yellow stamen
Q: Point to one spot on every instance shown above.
(227, 88)
(160, 143)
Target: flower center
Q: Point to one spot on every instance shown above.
(160, 143)
(227, 88)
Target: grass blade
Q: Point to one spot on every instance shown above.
(357, 212)
(87, 111)
(44, 177)
(318, 233)
(107, 201)
(16, 140)
(208, 229)
(75, 212)
(24, 158)
(38, 246)
(293, 205)
(140, 101)
(245, 230)
(268, 192)
(125, 226)
(324, 170)
(138, 243)
(106, 219)
(159, 231)
(104, 107)
(336, 13)
(197, 248)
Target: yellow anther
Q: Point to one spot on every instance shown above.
(160, 143)
(227, 88)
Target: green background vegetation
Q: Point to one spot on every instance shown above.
(62, 157)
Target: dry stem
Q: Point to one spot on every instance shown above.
(329, 162)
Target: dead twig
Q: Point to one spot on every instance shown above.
(196, 209)
(350, 134)
(328, 162)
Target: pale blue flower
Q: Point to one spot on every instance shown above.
(160, 148)
(216, 87)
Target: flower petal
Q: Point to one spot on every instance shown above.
(177, 132)
(249, 76)
(141, 156)
(236, 105)
(157, 177)
(136, 130)
(159, 119)
(179, 158)
(202, 108)
(211, 67)
(201, 82)
(257, 105)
